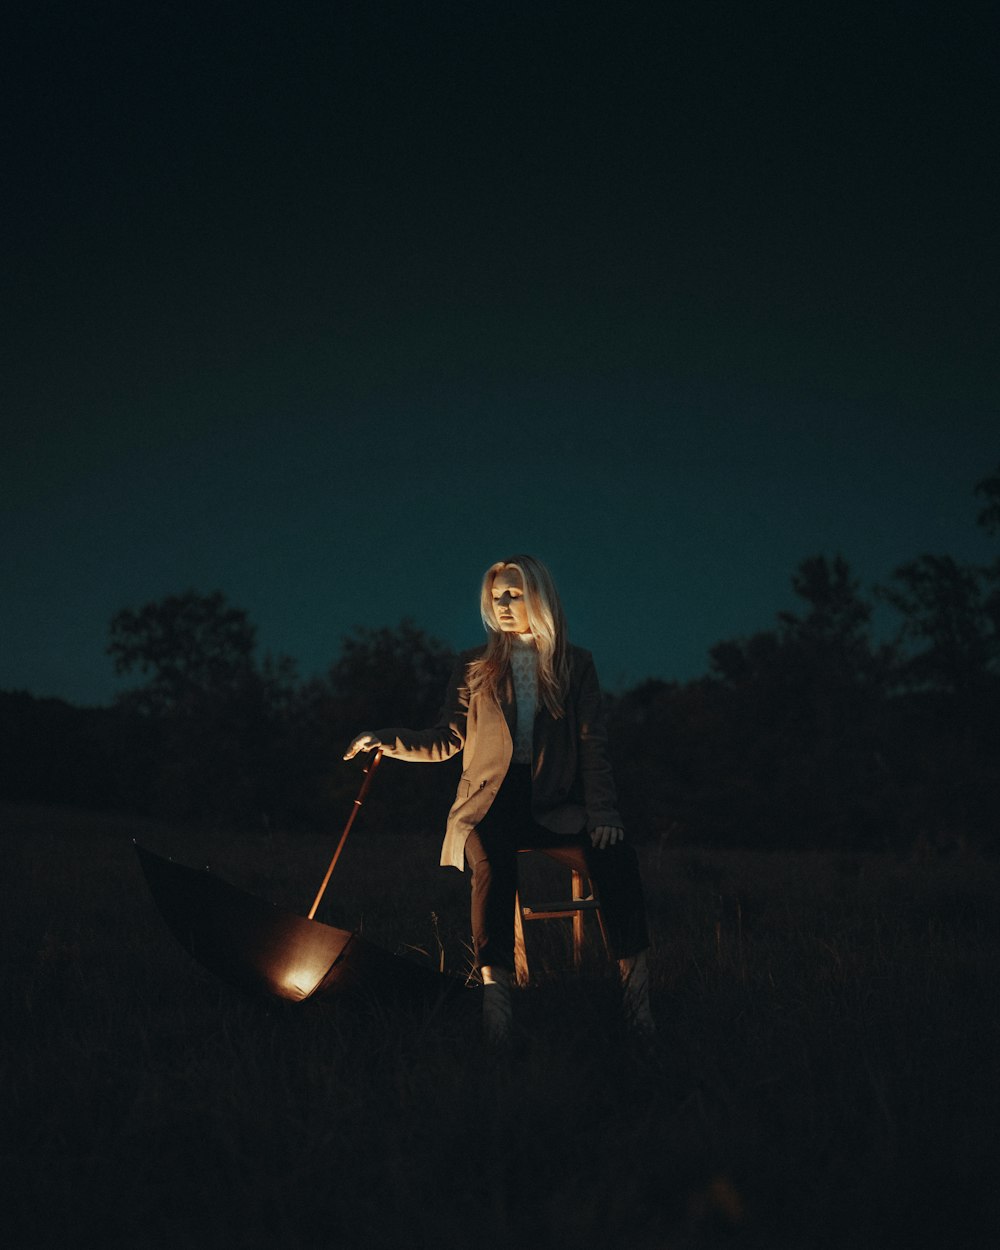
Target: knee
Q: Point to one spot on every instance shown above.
(615, 863)
(614, 853)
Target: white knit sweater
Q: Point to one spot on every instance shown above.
(524, 669)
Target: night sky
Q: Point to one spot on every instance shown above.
(329, 305)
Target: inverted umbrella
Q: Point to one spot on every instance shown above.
(260, 946)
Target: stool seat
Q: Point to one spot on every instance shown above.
(557, 911)
(582, 900)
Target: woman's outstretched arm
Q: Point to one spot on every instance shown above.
(424, 746)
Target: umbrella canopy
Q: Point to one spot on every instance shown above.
(261, 947)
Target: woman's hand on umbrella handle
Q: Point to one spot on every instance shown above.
(363, 742)
(607, 835)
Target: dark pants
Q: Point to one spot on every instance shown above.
(491, 852)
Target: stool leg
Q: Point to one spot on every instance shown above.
(520, 955)
(577, 920)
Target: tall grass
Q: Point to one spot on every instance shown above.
(825, 1072)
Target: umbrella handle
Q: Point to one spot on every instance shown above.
(369, 773)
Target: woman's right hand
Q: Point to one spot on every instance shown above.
(363, 742)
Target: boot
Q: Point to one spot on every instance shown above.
(496, 1006)
(634, 973)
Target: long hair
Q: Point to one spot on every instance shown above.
(548, 626)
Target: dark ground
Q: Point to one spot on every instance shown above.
(825, 1072)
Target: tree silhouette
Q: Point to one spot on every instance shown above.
(797, 712)
(836, 628)
(944, 719)
(989, 515)
(208, 726)
(808, 734)
(392, 676)
(191, 646)
(989, 520)
(945, 607)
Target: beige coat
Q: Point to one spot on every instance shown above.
(572, 785)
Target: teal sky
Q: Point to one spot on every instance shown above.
(329, 306)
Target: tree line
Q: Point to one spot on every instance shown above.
(809, 734)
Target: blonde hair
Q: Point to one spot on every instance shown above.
(547, 624)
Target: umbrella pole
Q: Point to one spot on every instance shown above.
(369, 772)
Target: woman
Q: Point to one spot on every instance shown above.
(525, 711)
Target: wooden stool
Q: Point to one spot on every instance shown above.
(582, 899)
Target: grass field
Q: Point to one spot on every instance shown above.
(825, 1072)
